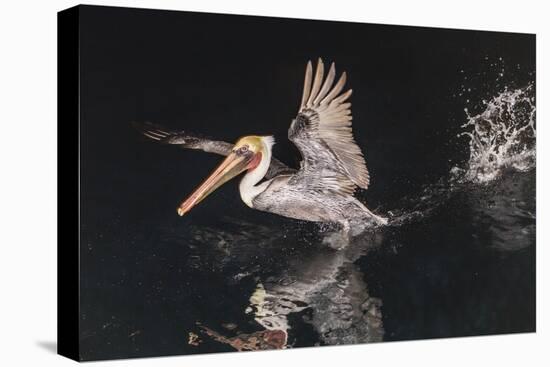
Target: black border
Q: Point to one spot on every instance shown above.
(68, 183)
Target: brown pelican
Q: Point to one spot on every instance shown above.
(332, 165)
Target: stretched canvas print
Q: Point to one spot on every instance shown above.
(236, 183)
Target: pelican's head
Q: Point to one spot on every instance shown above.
(245, 155)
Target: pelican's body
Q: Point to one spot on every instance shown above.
(295, 196)
(331, 169)
(286, 196)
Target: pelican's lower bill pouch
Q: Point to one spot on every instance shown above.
(239, 183)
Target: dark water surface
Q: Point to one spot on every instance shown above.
(457, 259)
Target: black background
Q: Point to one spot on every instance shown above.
(228, 76)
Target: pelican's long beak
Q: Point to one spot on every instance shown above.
(229, 168)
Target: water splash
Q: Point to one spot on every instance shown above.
(502, 136)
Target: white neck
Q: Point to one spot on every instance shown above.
(247, 187)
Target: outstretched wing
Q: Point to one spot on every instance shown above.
(188, 140)
(322, 132)
(183, 139)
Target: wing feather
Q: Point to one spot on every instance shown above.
(322, 131)
(307, 85)
(337, 89)
(326, 86)
(316, 82)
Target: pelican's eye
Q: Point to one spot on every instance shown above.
(242, 150)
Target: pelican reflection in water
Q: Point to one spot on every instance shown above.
(331, 169)
(315, 286)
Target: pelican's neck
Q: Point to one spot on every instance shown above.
(247, 187)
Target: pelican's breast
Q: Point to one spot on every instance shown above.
(267, 190)
(283, 197)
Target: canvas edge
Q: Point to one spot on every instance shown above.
(68, 186)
